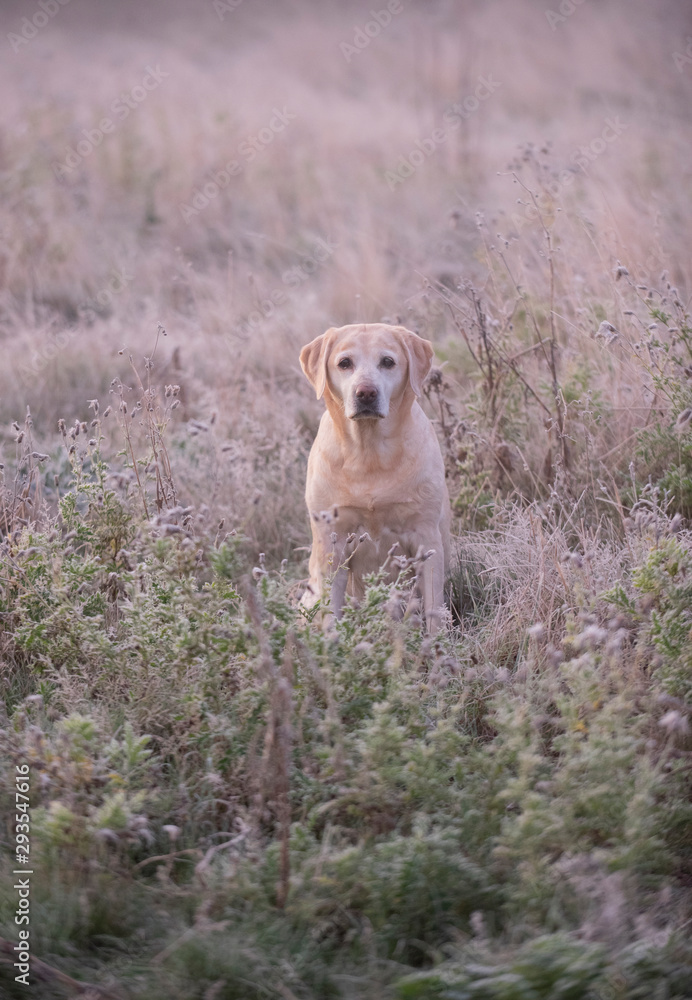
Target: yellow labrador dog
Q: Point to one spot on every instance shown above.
(375, 472)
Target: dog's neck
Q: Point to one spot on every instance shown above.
(379, 441)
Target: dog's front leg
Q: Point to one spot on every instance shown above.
(329, 563)
(433, 572)
(343, 549)
(339, 584)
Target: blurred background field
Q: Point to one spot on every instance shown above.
(309, 231)
(505, 811)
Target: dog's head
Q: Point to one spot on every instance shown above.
(366, 367)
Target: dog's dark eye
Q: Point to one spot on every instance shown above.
(387, 362)
(344, 364)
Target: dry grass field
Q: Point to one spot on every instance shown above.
(224, 801)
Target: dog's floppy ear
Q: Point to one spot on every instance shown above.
(420, 354)
(313, 361)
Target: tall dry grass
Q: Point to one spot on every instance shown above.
(321, 178)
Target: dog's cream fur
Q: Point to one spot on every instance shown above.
(375, 468)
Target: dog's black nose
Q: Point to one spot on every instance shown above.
(366, 393)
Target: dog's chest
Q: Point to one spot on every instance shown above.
(371, 498)
(391, 514)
